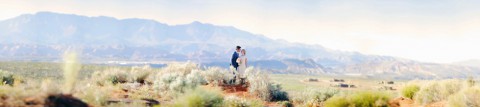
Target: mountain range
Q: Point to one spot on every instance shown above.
(44, 36)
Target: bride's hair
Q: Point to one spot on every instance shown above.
(244, 51)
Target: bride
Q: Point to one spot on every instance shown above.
(242, 64)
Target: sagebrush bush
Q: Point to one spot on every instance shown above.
(360, 99)
(196, 78)
(436, 91)
(216, 75)
(313, 97)
(259, 83)
(453, 86)
(200, 98)
(233, 101)
(7, 78)
(410, 90)
(181, 68)
(468, 97)
(111, 76)
(141, 74)
(171, 83)
(431, 92)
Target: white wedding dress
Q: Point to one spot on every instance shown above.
(242, 66)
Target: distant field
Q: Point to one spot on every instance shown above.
(297, 83)
(39, 70)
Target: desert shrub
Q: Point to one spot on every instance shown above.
(452, 86)
(171, 82)
(111, 76)
(200, 98)
(216, 76)
(15, 96)
(180, 85)
(360, 99)
(180, 68)
(436, 91)
(312, 97)
(7, 78)
(196, 78)
(233, 101)
(409, 90)
(335, 101)
(140, 74)
(261, 86)
(276, 93)
(369, 99)
(468, 97)
(285, 104)
(95, 95)
(431, 92)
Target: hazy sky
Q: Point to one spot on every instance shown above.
(425, 30)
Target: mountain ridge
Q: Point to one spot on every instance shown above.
(47, 34)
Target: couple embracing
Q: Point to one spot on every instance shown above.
(239, 62)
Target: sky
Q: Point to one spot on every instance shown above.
(441, 31)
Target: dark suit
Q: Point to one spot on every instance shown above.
(235, 65)
(234, 60)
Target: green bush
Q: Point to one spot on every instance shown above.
(370, 99)
(200, 98)
(360, 99)
(409, 90)
(7, 78)
(285, 104)
(277, 94)
(335, 101)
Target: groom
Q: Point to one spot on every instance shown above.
(235, 57)
(234, 62)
